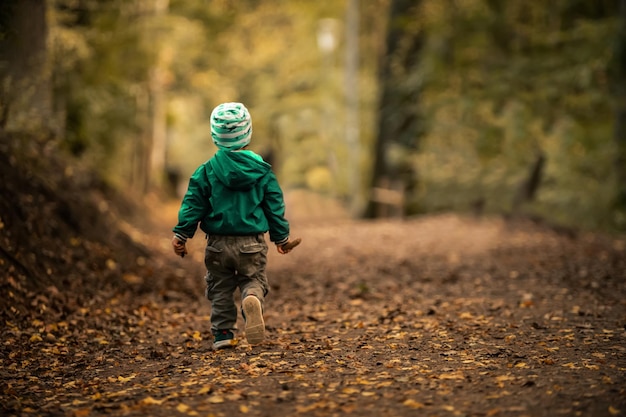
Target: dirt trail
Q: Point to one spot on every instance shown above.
(435, 316)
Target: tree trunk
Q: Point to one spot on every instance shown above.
(352, 101)
(141, 147)
(620, 110)
(25, 86)
(158, 143)
(528, 188)
(399, 125)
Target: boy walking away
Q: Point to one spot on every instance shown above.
(235, 198)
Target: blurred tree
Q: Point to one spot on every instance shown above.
(134, 86)
(618, 72)
(399, 124)
(101, 70)
(25, 90)
(353, 142)
(510, 87)
(119, 65)
(157, 83)
(500, 105)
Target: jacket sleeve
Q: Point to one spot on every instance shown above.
(195, 205)
(274, 209)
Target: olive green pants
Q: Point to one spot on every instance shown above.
(234, 262)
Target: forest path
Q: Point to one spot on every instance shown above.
(433, 316)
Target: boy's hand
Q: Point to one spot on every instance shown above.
(288, 246)
(179, 246)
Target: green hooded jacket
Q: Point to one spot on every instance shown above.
(234, 193)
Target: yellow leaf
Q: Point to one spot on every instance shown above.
(182, 408)
(128, 378)
(205, 389)
(35, 338)
(151, 401)
(452, 375)
(614, 411)
(243, 409)
(111, 264)
(216, 399)
(197, 336)
(132, 278)
(350, 391)
(413, 404)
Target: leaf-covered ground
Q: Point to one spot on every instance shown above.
(434, 316)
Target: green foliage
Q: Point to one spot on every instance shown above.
(264, 54)
(497, 84)
(506, 80)
(99, 68)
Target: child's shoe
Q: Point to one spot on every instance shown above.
(223, 339)
(253, 314)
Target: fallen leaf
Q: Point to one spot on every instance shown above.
(413, 404)
(216, 399)
(452, 375)
(151, 401)
(83, 412)
(205, 389)
(126, 379)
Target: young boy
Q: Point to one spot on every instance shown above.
(235, 198)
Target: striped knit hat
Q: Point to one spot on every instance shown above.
(231, 126)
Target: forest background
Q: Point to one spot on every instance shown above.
(390, 106)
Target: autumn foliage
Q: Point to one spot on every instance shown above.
(437, 316)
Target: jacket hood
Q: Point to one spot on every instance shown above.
(238, 170)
